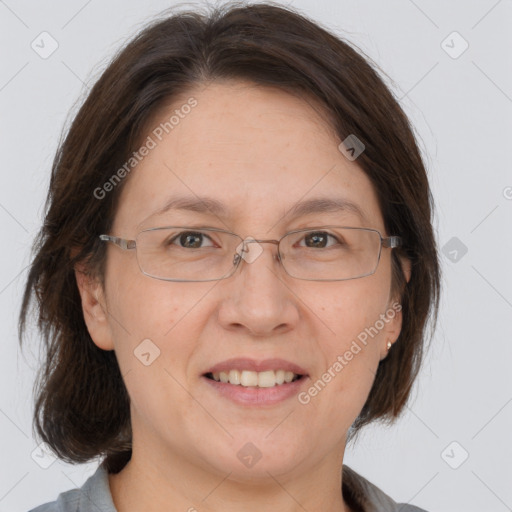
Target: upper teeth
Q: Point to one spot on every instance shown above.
(265, 379)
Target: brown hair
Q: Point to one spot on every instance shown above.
(82, 406)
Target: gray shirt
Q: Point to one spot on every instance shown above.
(94, 496)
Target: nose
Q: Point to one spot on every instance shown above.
(257, 299)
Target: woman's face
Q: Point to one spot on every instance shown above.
(260, 153)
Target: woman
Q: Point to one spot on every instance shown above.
(235, 272)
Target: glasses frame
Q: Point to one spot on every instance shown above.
(390, 242)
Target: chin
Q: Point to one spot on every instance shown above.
(246, 461)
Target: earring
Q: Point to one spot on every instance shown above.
(388, 346)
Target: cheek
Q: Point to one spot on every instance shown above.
(349, 316)
(146, 307)
(349, 308)
(154, 324)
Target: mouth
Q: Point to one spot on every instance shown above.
(248, 382)
(252, 379)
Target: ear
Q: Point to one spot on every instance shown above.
(94, 308)
(406, 267)
(393, 313)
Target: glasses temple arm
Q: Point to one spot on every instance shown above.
(392, 241)
(120, 242)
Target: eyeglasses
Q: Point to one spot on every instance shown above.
(326, 253)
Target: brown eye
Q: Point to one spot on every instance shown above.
(190, 239)
(317, 239)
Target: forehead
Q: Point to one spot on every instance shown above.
(258, 152)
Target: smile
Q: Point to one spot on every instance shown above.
(247, 378)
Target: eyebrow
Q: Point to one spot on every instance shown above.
(326, 205)
(209, 205)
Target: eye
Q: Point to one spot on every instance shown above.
(318, 239)
(190, 239)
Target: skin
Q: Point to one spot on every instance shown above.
(259, 151)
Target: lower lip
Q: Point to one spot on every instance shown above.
(257, 396)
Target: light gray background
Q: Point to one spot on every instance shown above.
(462, 110)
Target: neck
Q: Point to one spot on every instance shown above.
(158, 483)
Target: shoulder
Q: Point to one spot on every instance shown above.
(364, 496)
(93, 496)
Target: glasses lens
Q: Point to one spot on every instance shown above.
(186, 254)
(331, 253)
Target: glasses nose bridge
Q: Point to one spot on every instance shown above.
(248, 240)
(265, 241)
